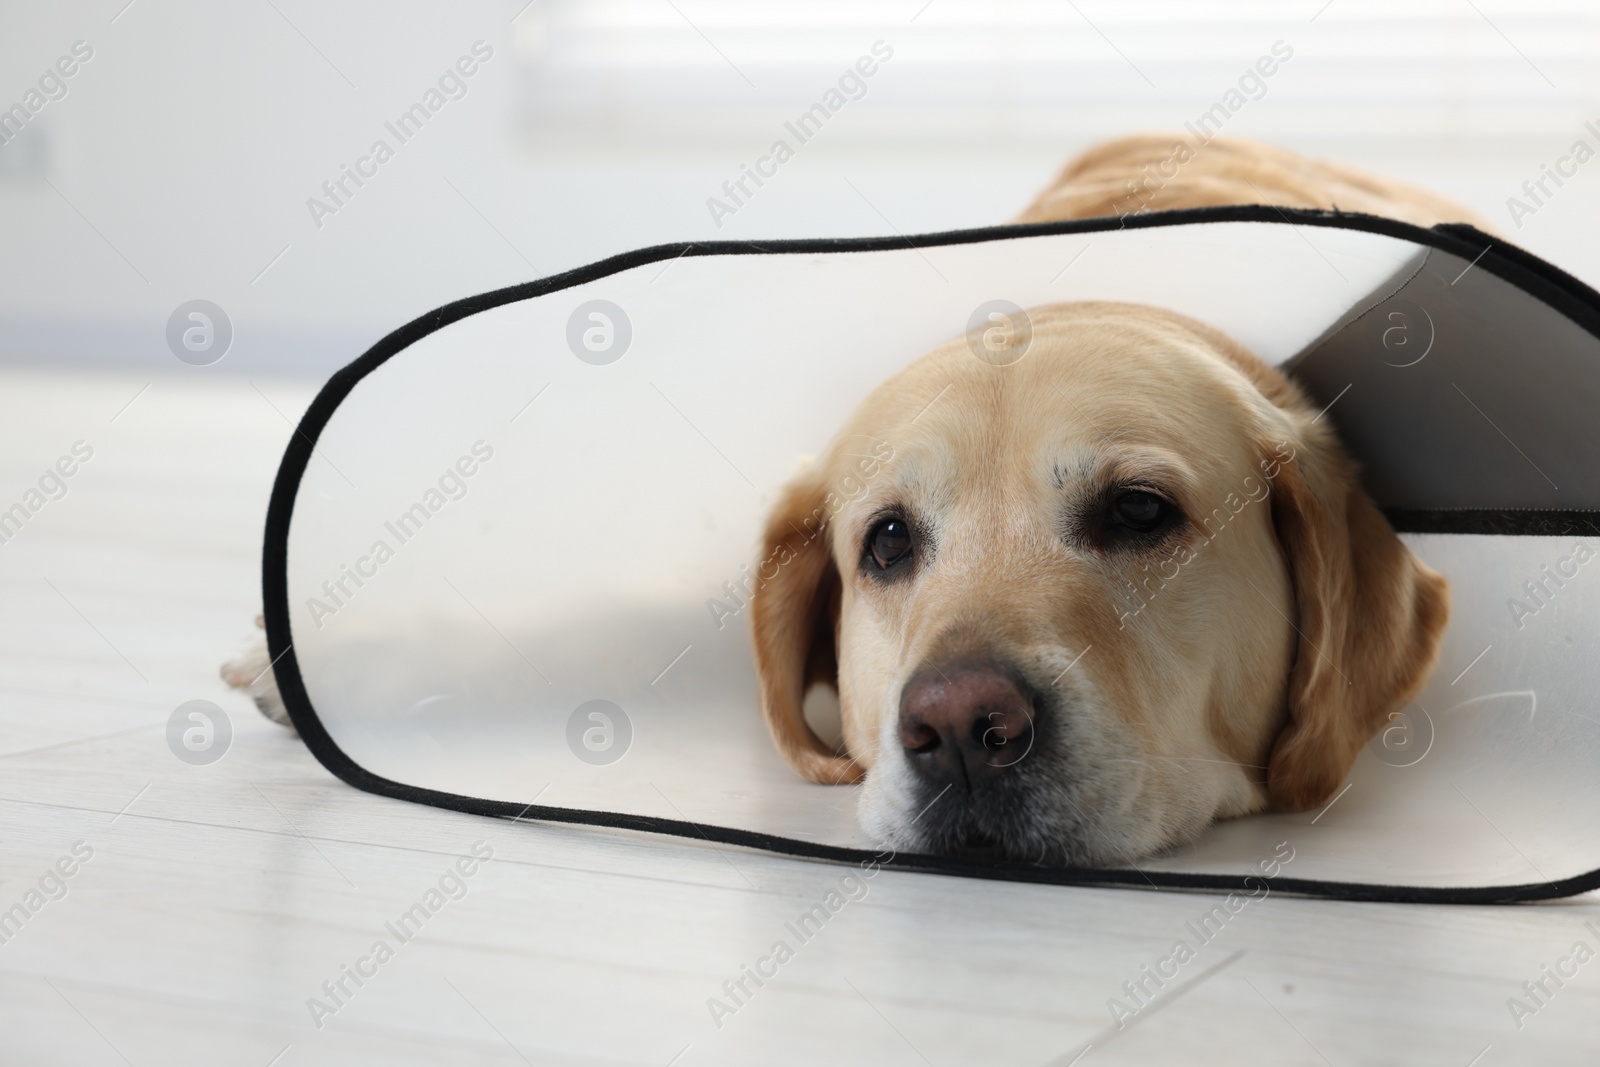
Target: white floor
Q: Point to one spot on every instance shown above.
(219, 899)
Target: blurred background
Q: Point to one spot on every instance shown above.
(179, 161)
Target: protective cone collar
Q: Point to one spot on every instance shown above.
(492, 541)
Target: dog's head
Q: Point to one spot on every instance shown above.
(1078, 606)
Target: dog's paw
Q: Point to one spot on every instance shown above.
(251, 671)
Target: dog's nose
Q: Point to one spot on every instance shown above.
(964, 723)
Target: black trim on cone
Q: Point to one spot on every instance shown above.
(1544, 282)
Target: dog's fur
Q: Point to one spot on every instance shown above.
(1155, 173)
(1240, 664)
(251, 670)
(1237, 662)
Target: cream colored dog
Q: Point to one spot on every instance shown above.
(1109, 593)
(1102, 596)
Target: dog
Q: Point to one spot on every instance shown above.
(1111, 593)
(1101, 597)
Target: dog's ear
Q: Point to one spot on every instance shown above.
(795, 616)
(1370, 617)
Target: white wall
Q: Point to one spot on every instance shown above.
(179, 163)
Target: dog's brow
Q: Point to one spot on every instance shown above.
(1123, 464)
(1081, 467)
(1145, 462)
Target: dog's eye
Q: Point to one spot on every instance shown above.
(1140, 511)
(889, 542)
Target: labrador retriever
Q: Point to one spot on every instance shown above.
(1103, 596)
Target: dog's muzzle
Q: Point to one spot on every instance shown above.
(965, 727)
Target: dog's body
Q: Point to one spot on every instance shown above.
(1155, 173)
(1106, 594)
